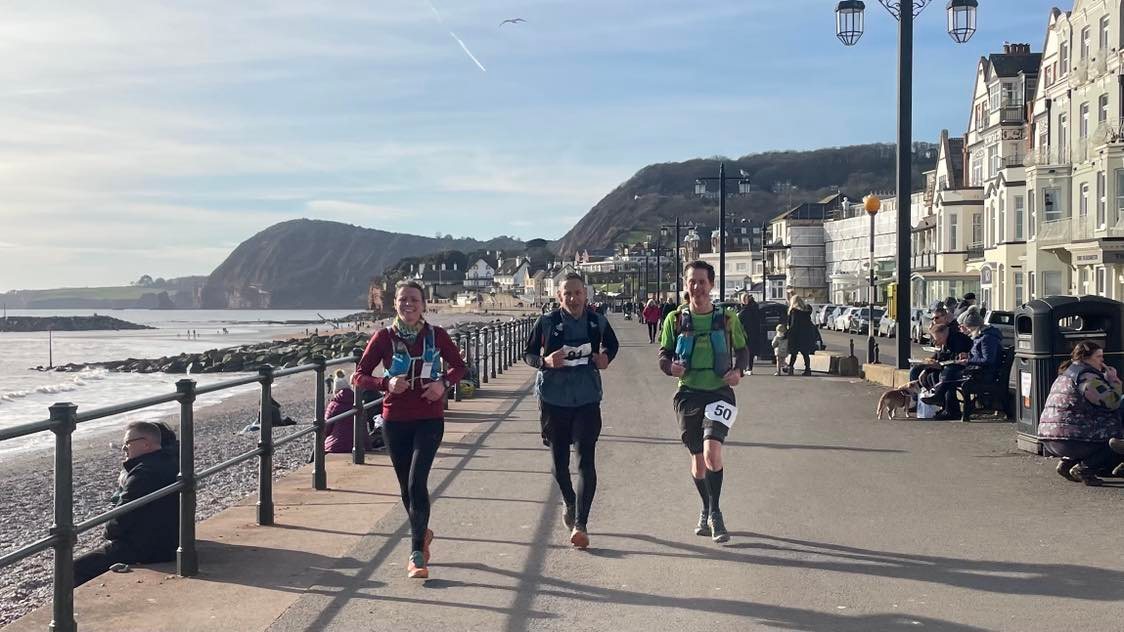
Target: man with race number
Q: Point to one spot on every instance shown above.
(570, 346)
(705, 347)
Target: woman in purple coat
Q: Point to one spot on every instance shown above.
(338, 435)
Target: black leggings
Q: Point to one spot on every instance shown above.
(652, 332)
(792, 360)
(413, 446)
(579, 426)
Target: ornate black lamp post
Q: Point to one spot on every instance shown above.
(700, 190)
(849, 25)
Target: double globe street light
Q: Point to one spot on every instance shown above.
(744, 187)
(849, 26)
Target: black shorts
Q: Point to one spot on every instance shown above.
(566, 425)
(693, 426)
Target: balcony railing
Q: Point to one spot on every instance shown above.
(1052, 157)
(1012, 114)
(1070, 229)
(975, 251)
(1011, 161)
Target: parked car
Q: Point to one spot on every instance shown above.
(864, 318)
(924, 321)
(1005, 323)
(843, 321)
(817, 313)
(821, 318)
(887, 327)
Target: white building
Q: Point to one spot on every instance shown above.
(512, 274)
(744, 272)
(795, 250)
(480, 275)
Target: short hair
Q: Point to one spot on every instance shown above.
(573, 276)
(147, 430)
(699, 264)
(409, 283)
(939, 329)
(940, 310)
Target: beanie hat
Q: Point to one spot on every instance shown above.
(971, 318)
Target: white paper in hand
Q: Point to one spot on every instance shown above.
(722, 412)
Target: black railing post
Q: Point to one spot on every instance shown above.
(490, 342)
(358, 423)
(480, 378)
(497, 329)
(319, 474)
(507, 347)
(187, 559)
(65, 417)
(483, 355)
(462, 345)
(265, 443)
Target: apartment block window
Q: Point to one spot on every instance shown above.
(1051, 208)
(1011, 95)
(1032, 289)
(977, 229)
(1102, 109)
(1083, 201)
(1104, 34)
(1102, 202)
(1083, 282)
(992, 161)
(1063, 136)
(1119, 194)
(977, 170)
(1086, 33)
(1101, 282)
(953, 228)
(1001, 231)
(1019, 289)
(1032, 215)
(1063, 59)
(993, 97)
(1019, 218)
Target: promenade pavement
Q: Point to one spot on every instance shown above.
(839, 522)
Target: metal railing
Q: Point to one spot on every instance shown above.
(488, 350)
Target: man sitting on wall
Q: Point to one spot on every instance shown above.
(150, 533)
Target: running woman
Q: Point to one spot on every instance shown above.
(421, 362)
(570, 346)
(705, 348)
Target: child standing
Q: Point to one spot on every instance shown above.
(780, 348)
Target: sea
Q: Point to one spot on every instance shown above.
(26, 394)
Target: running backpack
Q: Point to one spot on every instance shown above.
(552, 330)
(402, 363)
(719, 334)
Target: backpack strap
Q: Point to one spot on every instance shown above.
(595, 329)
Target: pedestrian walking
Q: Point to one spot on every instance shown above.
(652, 319)
(780, 348)
(705, 348)
(750, 318)
(413, 353)
(570, 346)
(801, 332)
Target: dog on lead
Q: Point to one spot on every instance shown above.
(896, 398)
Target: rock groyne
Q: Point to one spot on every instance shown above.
(66, 323)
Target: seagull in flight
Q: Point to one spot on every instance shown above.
(513, 21)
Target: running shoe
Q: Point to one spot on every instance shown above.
(703, 528)
(579, 538)
(718, 527)
(425, 545)
(1086, 475)
(568, 517)
(417, 569)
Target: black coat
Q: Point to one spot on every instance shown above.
(151, 532)
(750, 318)
(801, 331)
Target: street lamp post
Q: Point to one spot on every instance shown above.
(872, 204)
(659, 266)
(743, 189)
(849, 26)
(677, 271)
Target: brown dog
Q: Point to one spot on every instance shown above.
(896, 398)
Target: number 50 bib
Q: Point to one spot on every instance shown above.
(722, 412)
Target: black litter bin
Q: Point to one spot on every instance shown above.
(1046, 330)
(772, 314)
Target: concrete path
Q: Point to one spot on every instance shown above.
(839, 522)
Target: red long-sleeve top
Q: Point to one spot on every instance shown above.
(409, 405)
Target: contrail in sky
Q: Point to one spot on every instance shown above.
(437, 14)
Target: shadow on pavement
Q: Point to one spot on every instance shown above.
(747, 444)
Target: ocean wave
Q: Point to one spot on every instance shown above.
(78, 380)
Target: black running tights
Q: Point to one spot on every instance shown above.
(652, 332)
(413, 446)
(587, 476)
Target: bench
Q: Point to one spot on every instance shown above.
(994, 394)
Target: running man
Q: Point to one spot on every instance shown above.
(695, 346)
(570, 346)
(413, 409)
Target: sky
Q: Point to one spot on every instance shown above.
(153, 137)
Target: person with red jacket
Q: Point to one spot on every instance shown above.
(652, 313)
(413, 354)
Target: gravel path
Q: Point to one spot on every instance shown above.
(26, 485)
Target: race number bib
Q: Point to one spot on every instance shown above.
(577, 356)
(722, 412)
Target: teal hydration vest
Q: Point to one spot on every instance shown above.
(403, 363)
(719, 339)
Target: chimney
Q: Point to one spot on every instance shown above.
(1016, 49)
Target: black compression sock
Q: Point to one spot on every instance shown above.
(704, 493)
(714, 482)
